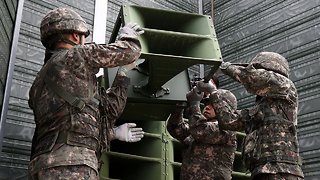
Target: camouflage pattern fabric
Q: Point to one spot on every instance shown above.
(271, 61)
(66, 173)
(112, 104)
(283, 176)
(61, 20)
(75, 73)
(209, 153)
(271, 145)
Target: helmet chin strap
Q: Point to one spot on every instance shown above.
(60, 38)
(80, 43)
(68, 41)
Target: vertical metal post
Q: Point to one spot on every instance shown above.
(100, 24)
(200, 5)
(212, 8)
(201, 66)
(99, 37)
(12, 60)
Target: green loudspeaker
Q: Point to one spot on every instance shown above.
(172, 42)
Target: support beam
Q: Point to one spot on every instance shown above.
(100, 24)
(11, 63)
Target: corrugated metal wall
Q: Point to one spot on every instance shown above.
(291, 28)
(7, 17)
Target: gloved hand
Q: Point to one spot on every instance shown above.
(130, 30)
(224, 65)
(128, 132)
(194, 96)
(122, 71)
(207, 88)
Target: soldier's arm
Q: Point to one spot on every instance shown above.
(259, 81)
(124, 51)
(228, 118)
(177, 126)
(111, 55)
(115, 98)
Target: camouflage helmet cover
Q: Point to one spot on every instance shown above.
(62, 20)
(272, 62)
(224, 95)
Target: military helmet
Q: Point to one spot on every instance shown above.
(272, 62)
(224, 95)
(61, 20)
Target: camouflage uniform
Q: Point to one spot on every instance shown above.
(68, 173)
(270, 147)
(209, 153)
(68, 135)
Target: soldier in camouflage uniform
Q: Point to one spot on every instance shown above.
(64, 98)
(270, 149)
(209, 152)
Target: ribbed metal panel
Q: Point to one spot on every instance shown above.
(289, 27)
(8, 10)
(7, 17)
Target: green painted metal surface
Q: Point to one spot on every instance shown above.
(172, 42)
(145, 159)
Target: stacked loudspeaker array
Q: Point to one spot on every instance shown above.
(172, 42)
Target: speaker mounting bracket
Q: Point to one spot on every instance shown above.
(158, 93)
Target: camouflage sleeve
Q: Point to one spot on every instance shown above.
(205, 131)
(111, 55)
(116, 98)
(177, 126)
(112, 104)
(260, 81)
(228, 118)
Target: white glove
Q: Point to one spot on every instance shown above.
(130, 30)
(128, 132)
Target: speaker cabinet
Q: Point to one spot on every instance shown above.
(172, 42)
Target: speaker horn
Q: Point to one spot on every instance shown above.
(173, 41)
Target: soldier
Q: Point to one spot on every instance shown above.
(64, 96)
(209, 152)
(270, 149)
